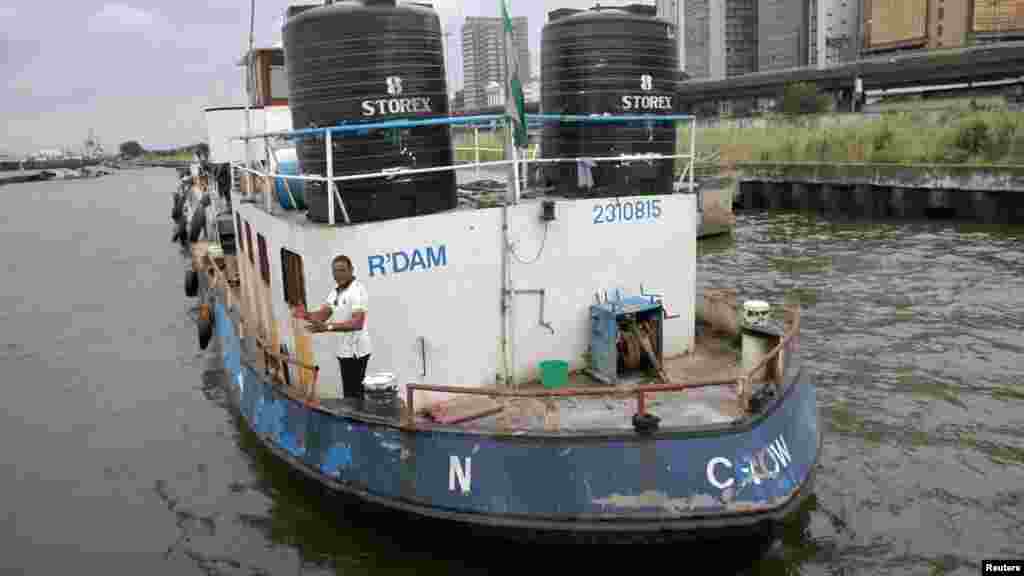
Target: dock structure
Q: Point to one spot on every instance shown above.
(992, 194)
(18, 176)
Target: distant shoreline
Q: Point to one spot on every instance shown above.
(8, 166)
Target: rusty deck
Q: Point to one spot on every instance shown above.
(711, 359)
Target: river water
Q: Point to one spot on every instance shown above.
(120, 456)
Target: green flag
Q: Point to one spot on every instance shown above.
(515, 104)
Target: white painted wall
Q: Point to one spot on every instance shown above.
(581, 258)
(456, 307)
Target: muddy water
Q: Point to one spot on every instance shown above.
(914, 329)
(120, 457)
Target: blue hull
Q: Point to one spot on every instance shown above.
(727, 478)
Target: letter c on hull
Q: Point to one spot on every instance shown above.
(713, 479)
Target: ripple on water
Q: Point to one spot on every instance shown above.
(913, 334)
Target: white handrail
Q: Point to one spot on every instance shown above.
(393, 172)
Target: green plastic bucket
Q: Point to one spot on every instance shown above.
(554, 373)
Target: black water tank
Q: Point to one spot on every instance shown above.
(608, 61)
(299, 8)
(371, 61)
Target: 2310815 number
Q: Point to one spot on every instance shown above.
(630, 211)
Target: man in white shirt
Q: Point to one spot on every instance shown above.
(346, 302)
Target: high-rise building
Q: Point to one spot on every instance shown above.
(733, 27)
(782, 30)
(671, 10)
(718, 38)
(922, 24)
(483, 54)
(697, 36)
(995, 20)
(948, 22)
(834, 31)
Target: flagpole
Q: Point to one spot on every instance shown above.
(515, 171)
(514, 105)
(250, 184)
(505, 240)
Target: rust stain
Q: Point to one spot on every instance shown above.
(762, 505)
(269, 325)
(303, 352)
(259, 316)
(275, 345)
(654, 499)
(253, 308)
(245, 273)
(275, 336)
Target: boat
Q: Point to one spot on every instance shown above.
(542, 363)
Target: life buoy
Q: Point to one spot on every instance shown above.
(205, 326)
(177, 211)
(197, 225)
(183, 232)
(191, 283)
(180, 232)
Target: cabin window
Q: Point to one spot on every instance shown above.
(248, 246)
(294, 280)
(238, 232)
(264, 258)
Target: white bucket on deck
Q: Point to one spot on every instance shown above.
(756, 312)
(380, 386)
(754, 345)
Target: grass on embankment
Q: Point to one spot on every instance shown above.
(958, 135)
(950, 137)
(494, 142)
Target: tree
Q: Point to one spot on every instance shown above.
(132, 149)
(803, 98)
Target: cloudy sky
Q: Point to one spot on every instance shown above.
(144, 69)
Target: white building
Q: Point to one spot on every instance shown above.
(834, 31)
(674, 12)
(49, 154)
(717, 38)
(495, 94)
(483, 54)
(531, 91)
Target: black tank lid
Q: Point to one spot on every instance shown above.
(598, 13)
(562, 13)
(302, 13)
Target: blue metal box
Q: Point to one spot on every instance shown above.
(604, 332)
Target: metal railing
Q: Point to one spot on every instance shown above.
(332, 180)
(774, 360)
